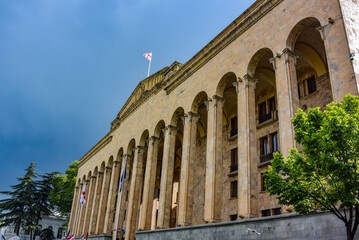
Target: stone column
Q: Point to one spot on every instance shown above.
(247, 147)
(78, 212)
(212, 203)
(188, 153)
(165, 199)
(287, 97)
(75, 203)
(108, 226)
(95, 207)
(103, 201)
(134, 194)
(343, 79)
(149, 184)
(83, 209)
(122, 208)
(89, 204)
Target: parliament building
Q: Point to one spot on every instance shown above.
(197, 137)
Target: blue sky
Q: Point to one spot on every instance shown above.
(68, 66)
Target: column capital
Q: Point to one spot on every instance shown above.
(320, 29)
(99, 173)
(288, 53)
(193, 116)
(108, 168)
(93, 177)
(273, 62)
(140, 148)
(209, 100)
(87, 180)
(172, 129)
(249, 81)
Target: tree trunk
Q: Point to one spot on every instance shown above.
(350, 232)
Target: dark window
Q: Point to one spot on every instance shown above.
(266, 213)
(234, 126)
(299, 95)
(264, 145)
(234, 160)
(271, 104)
(312, 86)
(126, 196)
(234, 189)
(276, 211)
(233, 217)
(274, 138)
(262, 109)
(263, 187)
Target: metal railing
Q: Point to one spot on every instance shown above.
(266, 157)
(233, 168)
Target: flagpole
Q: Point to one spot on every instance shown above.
(149, 66)
(120, 192)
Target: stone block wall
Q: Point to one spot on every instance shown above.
(289, 226)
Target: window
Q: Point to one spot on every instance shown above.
(299, 93)
(234, 189)
(266, 213)
(274, 140)
(233, 217)
(276, 211)
(262, 109)
(312, 86)
(234, 160)
(271, 104)
(264, 145)
(234, 126)
(263, 186)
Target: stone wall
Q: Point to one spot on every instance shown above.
(289, 226)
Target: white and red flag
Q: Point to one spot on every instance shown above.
(148, 56)
(83, 196)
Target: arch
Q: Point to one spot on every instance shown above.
(200, 98)
(78, 182)
(119, 154)
(144, 137)
(257, 59)
(89, 175)
(102, 168)
(131, 146)
(310, 22)
(110, 161)
(160, 125)
(176, 116)
(84, 178)
(228, 78)
(95, 171)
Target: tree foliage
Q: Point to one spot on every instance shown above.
(63, 189)
(324, 174)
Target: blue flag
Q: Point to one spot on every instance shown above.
(2, 237)
(123, 176)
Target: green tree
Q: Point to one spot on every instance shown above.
(15, 210)
(63, 189)
(324, 174)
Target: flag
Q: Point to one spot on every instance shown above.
(118, 229)
(83, 196)
(72, 237)
(148, 56)
(2, 237)
(123, 176)
(123, 233)
(84, 236)
(66, 235)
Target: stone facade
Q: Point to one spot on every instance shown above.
(195, 138)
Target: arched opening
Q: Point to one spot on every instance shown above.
(313, 82)
(226, 89)
(141, 172)
(267, 125)
(158, 157)
(119, 158)
(177, 122)
(197, 171)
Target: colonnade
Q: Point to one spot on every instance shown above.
(142, 208)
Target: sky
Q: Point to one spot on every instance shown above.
(68, 66)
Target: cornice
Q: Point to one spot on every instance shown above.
(247, 19)
(95, 149)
